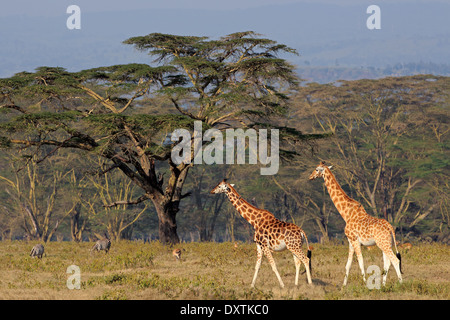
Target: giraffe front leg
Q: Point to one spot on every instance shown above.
(269, 256)
(259, 255)
(357, 247)
(349, 262)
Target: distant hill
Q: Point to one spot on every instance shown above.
(327, 74)
(332, 39)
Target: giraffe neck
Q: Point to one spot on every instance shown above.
(246, 210)
(340, 199)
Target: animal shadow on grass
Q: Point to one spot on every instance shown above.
(319, 282)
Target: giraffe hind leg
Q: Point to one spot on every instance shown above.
(385, 244)
(387, 264)
(300, 256)
(297, 268)
(399, 257)
(396, 262)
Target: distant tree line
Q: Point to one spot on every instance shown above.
(328, 74)
(124, 114)
(84, 153)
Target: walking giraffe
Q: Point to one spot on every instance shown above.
(361, 228)
(271, 234)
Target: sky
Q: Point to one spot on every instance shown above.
(47, 8)
(325, 32)
(52, 7)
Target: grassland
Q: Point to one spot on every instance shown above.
(137, 270)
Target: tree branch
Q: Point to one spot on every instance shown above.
(105, 102)
(138, 94)
(15, 107)
(186, 113)
(419, 217)
(66, 144)
(130, 202)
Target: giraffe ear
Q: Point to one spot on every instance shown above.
(329, 167)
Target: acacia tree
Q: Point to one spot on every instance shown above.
(33, 200)
(236, 80)
(381, 141)
(117, 219)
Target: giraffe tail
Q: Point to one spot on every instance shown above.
(308, 254)
(399, 257)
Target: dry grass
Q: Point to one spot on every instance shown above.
(134, 270)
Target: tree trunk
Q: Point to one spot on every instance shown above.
(35, 232)
(77, 223)
(167, 222)
(323, 228)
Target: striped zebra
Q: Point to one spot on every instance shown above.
(37, 251)
(104, 244)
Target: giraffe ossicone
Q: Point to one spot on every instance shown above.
(271, 234)
(361, 228)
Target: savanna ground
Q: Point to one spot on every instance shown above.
(137, 270)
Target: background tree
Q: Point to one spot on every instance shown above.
(234, 81)
(204, 207)
(79, 219)
(104, 209)
(35, 200)
(308, 202)
(381, 148)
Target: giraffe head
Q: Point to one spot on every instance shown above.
(319, 172)
(222, 187)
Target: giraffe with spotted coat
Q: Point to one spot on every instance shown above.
(361, 228)
(271, 234)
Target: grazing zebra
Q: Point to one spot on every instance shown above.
(104, 244)
(37, 251)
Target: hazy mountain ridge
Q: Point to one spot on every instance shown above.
(324, 35)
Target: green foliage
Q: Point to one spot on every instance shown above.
(388, 138)
(142, 123)
(389, 145)
(44, 121)
(5, 142)
(124, 73)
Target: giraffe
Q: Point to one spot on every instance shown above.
(361, 228)
(271, 234)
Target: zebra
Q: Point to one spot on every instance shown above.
(104, 244)
(37, 251)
